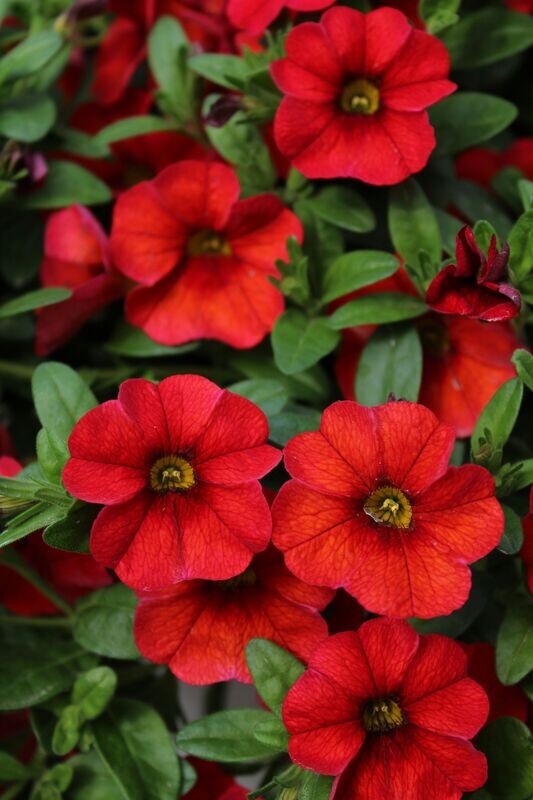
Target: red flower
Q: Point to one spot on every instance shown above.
(201, 629)
(72, 575)
(76, 256)
(524, 6)
(465, 361)
(176, 465)
(390, 713)
(203, 264)
(504, 701)
(481, 164)
(375, 509)
(527, 548)
(473, 287)
(408, 7)
(357, 87)
(213, 783)
(256, 15)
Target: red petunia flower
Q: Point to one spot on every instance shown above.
(527, 548)
(481, 164)
(504, 701)
(256, 15)
(408, 7)
(201, 628)
(177, 467)
(375, 509)
(76, 256)
(474, 286)
(465, 361)
(202, 257)
(524, 6)
(213, 783)
(72, 575)
(390, 713)
(357, 87)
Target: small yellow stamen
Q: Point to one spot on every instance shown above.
(389, 506)
(172, 474)
(204, 243)
(360, 97)
(381, 716)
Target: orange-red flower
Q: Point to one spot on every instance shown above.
(202, 257)
(475, 285)
(177, 467)
(212, 783)
(357, 88)
(76, 256)
(256, 15)
(375, 509)
(201, 628)
(389, 713)
(481, 164)
(504, 701)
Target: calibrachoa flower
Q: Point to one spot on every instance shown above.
(474, 286)
(465, 361)
(213, 783)
(524, 6)
(256, 15)
(375, 509)
(481, 164)
(504, 701)
(202, 257)
(76, 256)
(201, 628)
(527, 548)
(357, 87)
(176, 465)
(390, 713)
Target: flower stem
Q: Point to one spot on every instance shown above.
(12, 560)
(35, 622)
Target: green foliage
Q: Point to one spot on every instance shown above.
(103, 622)
(391, 363)
(377, 309)
(273, 670)
(495, 424)
(355, 270)
(227, 736)
(67, 183)
(299, 341)
(343, 207)
(514, 646)
(508, 745)
(496, 32)
(469, 118)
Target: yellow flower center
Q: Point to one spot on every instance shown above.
(389, 506)
(203, 243)
(172, 474)
(360, 97)
(247, 578)
(381, 716)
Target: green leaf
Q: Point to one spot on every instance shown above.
(315, 787)
(474, 202)
(12, 770)
(91, 780)
(525, 191)
(299, 341)
(27, 118)
(103, 623)
(72, 532)
(164, 41)
(514, 645)
(21, 246)
(498, 418)
(376, 309)
(30, 55)
(469, 118)
(413, 225)
(496, 33)
(513, 537)
(523, 361)
(93, 691)
(224, 70)
(67, 731)
(270, 395)
(32, 674)
(508, 745)
(272, 732)
(355, 270)
(226, 736)
(132, 342)
(33, 519)
(135, 746)
(343, 207)
(449, 228)
(456, 623)
(483, 233)
(391, 362)
(291, 421)
(521, 246)
(67, 183)
(81, 144)
(133, 126)
(273, 670)
(32, 300)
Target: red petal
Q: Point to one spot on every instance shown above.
(253, 15)
(389, 647)
(309, 46)
(444, 710)
(188, 402)
(119, 55)
(387, 31)
(258, 229)
(73, 235)
(438, 663)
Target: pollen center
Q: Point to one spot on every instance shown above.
(360, 97)
(204, 243)
(381, 716)
(389, 506)
(172, 474)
